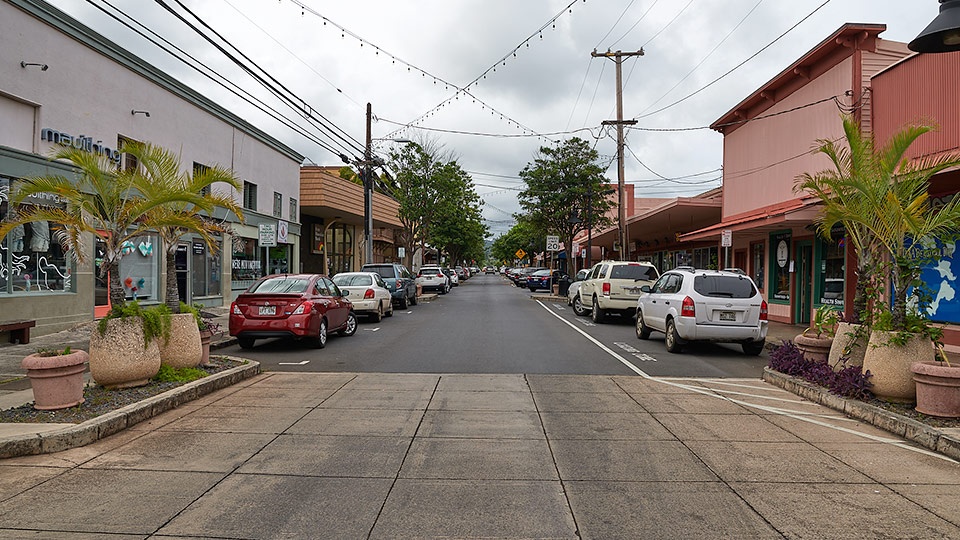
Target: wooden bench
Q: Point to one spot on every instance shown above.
(19, 330)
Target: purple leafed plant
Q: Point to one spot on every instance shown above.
(848, 382)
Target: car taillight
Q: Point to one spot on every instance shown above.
(235, 308)
(368, 294)
(399, 284)
(763, 310)
(439, 274)
(606, 289)
(303, 308)
(688, 308)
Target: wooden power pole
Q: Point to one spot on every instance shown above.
(618, 57)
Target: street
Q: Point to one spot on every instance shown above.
(487, 325)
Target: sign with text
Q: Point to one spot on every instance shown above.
(268, 235)
(726, 238)
(553, 243)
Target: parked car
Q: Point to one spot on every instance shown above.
(520, 277)
(432, 278)
(613, 286)
(298, 306)
(541, 279)
(462, 273)
(367, 292)
(489, 270)
(703, 305)
(574, 290)
(401, 283)
(452, 276)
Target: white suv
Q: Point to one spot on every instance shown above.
(433, 278)
(613, 286)
(704, 305)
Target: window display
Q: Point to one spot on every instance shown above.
(758, 265)
(831, 269)
(780, 266)
(247, 266)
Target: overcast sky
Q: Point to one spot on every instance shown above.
(524, 88)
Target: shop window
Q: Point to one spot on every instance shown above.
(31, 260)
(140, 266)
(832, 270)
(294, 217)
(206, 270)
(277, 204)
(780, 266)
(246, 266)
(128, 161)
(757, 265)
(705, 258)
(339, 248)
(250, 196)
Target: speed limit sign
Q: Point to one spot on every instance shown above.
(553, 243)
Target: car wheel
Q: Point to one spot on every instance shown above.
(753, 348)
(413, 299)
(597, 314)
(446, 288)
(672, 340)
(351, 327)
(245, 342)
(320, 341)
(532, 289)
(578, 306)
(389, 312)
(377, 315)
(643, 331)
(403, 303)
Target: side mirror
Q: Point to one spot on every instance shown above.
(645, 288)
(344, 293)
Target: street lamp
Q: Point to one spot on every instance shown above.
(943, 34)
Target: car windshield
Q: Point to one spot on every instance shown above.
(282, 284)
(633, 271)
(353, 280)
(724, 286)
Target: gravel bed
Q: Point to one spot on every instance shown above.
(98, 400)
(910, 412)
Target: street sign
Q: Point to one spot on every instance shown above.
(282, 228)
(520, 253)
(726, 238)
(268, 234)
(553, 243)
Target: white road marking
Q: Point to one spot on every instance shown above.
(644, 357)
(625, 346)
(305, 362)
(773, 410)
(585, 322)
(373, 329)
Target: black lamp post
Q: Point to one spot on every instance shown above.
(943, 34)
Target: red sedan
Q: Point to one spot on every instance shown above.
(298, 306)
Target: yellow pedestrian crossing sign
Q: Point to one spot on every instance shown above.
(520, 253)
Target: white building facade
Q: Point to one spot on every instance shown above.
(63, 84)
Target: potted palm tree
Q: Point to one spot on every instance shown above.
(884, 195)
(111, 204)
(172, 222)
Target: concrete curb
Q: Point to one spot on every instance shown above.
(92, 430)
(929, 437)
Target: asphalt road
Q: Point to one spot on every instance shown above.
(487, 325)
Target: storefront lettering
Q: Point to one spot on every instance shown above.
(246, 265)
(81, 142)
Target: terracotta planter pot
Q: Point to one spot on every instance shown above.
(890, 365)
(815, 349)
(938, 388)
(119, 359)
(57, 381)
(183, 349)
(850, 342)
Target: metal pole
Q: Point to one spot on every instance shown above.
(368, 194)
(589, 226)
(621, 190)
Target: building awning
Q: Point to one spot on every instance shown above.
(792, 213)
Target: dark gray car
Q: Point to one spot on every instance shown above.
(400, 282)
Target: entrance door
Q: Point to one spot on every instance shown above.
(180, 263)
(804, 282)
(101, 288)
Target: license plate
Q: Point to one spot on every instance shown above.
(728, 316)
(268, 310)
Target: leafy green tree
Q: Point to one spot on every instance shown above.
(458, 227)
(882, 198)
(162, 174)
(563, 194)
(103, 202)
(525, 235)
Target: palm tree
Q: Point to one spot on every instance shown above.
(162, 174)
(882, 199)
(102, 201)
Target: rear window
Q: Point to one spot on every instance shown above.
(633, 271)
(353, 280)
(282, 284)
(724, 286)
(384, 271)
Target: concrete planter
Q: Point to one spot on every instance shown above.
(119, 359)
(183, 349)
(206, 337)
(890, 365)
(850, 343)
(815, 349)
(57, 381)
(938, 388)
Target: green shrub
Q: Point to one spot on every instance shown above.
(156, 320)
(182, 375)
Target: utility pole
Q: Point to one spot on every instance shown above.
(368, 193)
(620, 122)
